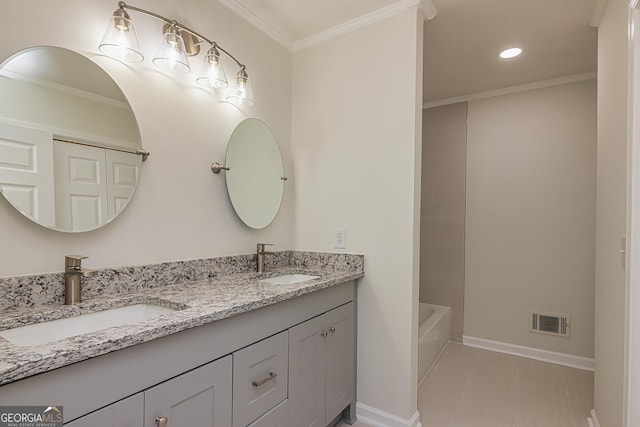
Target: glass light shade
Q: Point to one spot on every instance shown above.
(212, 73)
(172, 56)
(120, 40)
(241, 92)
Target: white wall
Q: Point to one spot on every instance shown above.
(611, 213)
(356, 140)
(180, 210)
(531, 177)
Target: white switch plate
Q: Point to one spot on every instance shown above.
(340, 238)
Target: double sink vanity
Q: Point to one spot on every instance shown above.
(236, 349)
(199, 343)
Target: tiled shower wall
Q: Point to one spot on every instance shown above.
(442, 215)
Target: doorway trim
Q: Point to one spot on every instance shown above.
(632, 326)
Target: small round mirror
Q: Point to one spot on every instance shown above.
(255, 179)
(70, 147)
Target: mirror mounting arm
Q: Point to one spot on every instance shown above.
(145, 154)
(217, 167)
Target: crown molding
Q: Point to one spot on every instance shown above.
(429, 9)
(60, 88)
(512, 89)
(598, 11)
(258, 23)
(364, 21)
(427, 6)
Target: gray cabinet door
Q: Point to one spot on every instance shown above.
(201, 397)
(277, 417)
(125, 413)
(306, 373)
(339, 367)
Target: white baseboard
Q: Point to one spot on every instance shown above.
(378, 418)
(570, 360)
(593, 419)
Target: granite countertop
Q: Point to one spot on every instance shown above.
(197, 303)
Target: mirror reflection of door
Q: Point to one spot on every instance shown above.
(26, 171)
(81, 196)
(123, 171)
(91, 184)
(62, 184)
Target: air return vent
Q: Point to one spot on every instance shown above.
(554, 324)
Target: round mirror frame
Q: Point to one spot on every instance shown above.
(92, 122)
(255, 179)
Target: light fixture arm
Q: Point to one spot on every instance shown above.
(122, 5)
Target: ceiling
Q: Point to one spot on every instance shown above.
(462, 42)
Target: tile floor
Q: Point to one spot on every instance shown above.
(470, 387)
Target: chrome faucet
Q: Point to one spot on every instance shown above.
(260, 253)
(73, 271)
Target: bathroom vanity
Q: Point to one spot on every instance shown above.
(223, 346)
(238, 351)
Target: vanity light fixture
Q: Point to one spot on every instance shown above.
(178, 42)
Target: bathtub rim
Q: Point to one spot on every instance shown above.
(439, 311)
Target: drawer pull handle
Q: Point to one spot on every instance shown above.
(332, 329)
(162, 421)
(323, 333)
(271, 376)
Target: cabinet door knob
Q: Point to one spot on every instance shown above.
(323, 333)
(332, 329)
(162, 421)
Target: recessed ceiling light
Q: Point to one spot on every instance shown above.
(510, 53)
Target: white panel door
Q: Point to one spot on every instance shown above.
(80, 183)
(26, 171)
(123, 170)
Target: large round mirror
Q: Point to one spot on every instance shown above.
(70, 148)
(255, 179)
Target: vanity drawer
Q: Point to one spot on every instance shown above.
(260, 378)
(277, 417)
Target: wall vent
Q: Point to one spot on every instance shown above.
(554, 324)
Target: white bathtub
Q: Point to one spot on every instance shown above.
(433, 335)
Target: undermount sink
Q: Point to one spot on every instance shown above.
(53, 330)
(289, 279)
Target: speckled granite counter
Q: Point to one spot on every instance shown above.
(197, 302)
